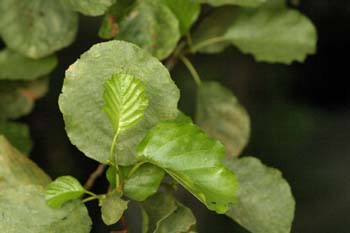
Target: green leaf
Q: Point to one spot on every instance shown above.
(265, 202)
(244, 3)
(37, 28)
(17, 134)
(186, 12)
(192, 159)
(17, 169)
(113, 208)
(63, 189)
(144, 182)
(24, 209)
(272, 33)
(91, 7)
(81, 100)
(222, 117)
(152, 26)
(14, 66)
(125, 101)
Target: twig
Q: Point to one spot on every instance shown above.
(94, 175)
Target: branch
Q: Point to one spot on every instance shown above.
(94, 175)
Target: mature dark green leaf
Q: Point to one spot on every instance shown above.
(244, 3)
(112, 208)
(63, 189)
(24, 209)
(192, 159)
(91, 7)
(265, 202)
(152, 26)
(37, 28)
(17, 134)
(144, 182)
(14, 66)
(125, 101)
(17, 169)
(222, 117)
(186, 12)
(272, 33)
(81, 100)
(17, 98)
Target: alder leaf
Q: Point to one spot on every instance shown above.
(15, 66)
(81, 100)
(265, 202)
(37, 28)
(222, 117)
(63, 189)
(91, 7)
(243, 3)
(125, 101)
(18, 135)
(112, 208)
(192, 159)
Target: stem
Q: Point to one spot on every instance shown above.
(206, 43)
(94, 175)
(192, 70)
(90, 193)
(91, 198)
(114, 159)
(171, 62)
(134, 169)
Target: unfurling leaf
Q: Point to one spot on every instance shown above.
(63, 189)
(192, 159)
(125, 101)
(113, 208)
(222, 117)
(265, 202)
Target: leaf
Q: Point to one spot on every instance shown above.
(152, 26)
(17, 134)
(24, 209)
(63, 189)
(113, 208)
(272, 33)
(244, 3)
(14, 66)
(37, 28)
(125, 101)
(91, 7)
(265, 202)
(192, 159)
(17, 169)
(144, 182)
(82, 99)
(222, 117)
(186, 12)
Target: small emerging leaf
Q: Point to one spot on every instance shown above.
(125, 101)
(113, 208)
(63, 189)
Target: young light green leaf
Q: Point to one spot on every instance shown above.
(192, 159)
(152, 26)
(272, 33)
(15, 66)
(91, 7)
(24, 209)
(112, 208)
(125, 101)
(37, 28)
(63, 189)
(221, 116)
(244, 3)
(186, 12)
(17, 134)
(17, 169)
(82, 99)
(144, 182)
(265, 202)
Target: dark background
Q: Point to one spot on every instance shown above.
(300, 121)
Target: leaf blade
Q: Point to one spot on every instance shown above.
(112, 208)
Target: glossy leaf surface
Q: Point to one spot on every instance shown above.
(192, 159)
(81, 100)
(265, 202)
(112, 208)
(222, 117)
